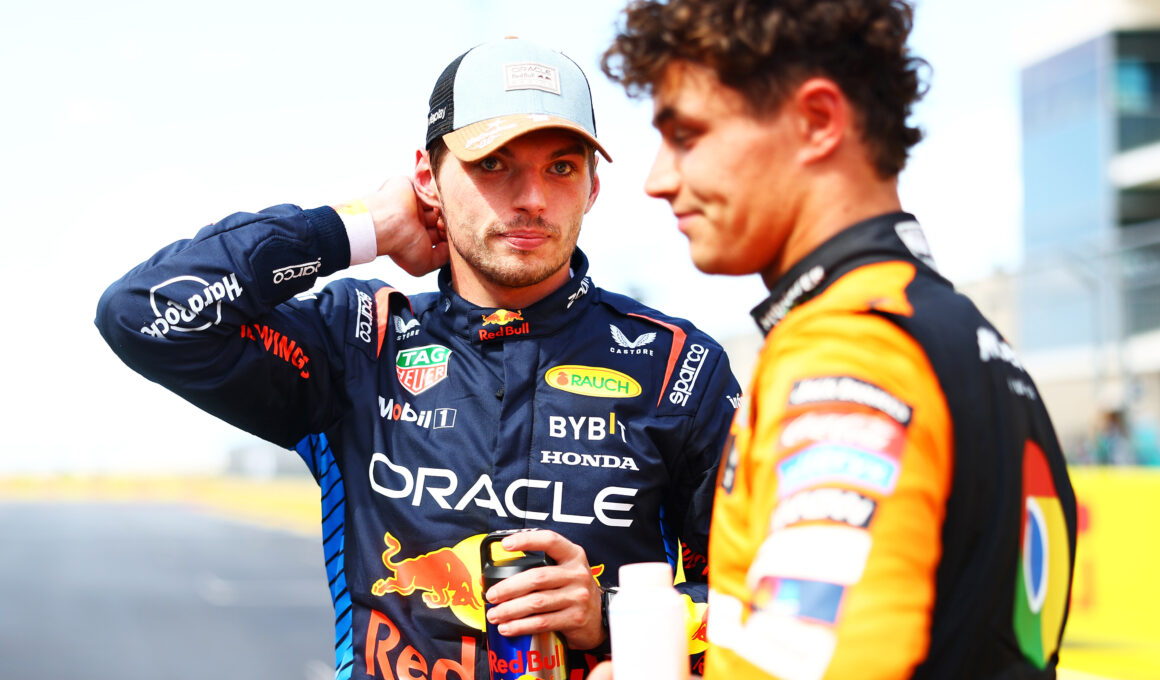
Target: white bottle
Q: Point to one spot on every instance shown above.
(646, 618)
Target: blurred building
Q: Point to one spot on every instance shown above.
(1088, 314)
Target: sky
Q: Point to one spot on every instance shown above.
(127, 125)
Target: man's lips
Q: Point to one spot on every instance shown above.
(525, 239)
(685, 220)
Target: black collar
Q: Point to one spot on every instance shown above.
(893, 236)
(545, 317)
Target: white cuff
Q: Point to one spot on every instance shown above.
(360, 232)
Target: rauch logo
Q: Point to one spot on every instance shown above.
(421, 368)
(592, 381)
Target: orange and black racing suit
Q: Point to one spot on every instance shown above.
(894, 503)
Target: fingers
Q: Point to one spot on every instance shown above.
(571, 566)
(556, 546)
(540, 589)
(409, 226)
(562, 610)
(562, 597)
(572, 611)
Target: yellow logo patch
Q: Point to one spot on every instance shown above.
(592, 381)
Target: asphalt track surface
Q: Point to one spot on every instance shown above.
(219, 579)
(156, 590)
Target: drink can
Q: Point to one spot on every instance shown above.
(541, 656)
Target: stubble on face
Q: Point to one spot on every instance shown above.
(501, 265)
(513, 218)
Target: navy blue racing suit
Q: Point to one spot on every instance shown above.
(429, 422)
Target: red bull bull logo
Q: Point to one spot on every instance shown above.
(502, 317)
(440, 575)
(448, 577)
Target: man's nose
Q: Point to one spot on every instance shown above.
(663, 178)
(530, 195)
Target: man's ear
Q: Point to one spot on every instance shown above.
(595, 189)
(426, 188)
(823, 118)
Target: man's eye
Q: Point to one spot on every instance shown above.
(490, 163)
(563, 168)
(682, 137)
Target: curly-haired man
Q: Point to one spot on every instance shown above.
(894, 502)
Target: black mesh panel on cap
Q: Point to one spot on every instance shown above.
(442, 98)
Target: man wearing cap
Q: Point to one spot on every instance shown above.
(518, 395)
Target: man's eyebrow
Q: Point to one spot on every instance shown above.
(664, 115)
(576, 149)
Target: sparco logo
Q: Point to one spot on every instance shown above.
(297, 271)
(442, 486)
(687, 378)
(187, 318)
(364, 323)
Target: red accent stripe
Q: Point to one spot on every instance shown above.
(674, 353)
(383, 307)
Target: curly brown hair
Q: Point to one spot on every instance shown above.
(763, 49)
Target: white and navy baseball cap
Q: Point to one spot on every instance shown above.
(500, 90)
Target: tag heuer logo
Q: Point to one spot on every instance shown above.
(421, 368)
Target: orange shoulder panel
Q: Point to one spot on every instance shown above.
(830, 537)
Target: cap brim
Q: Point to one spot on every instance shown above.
(473, 142)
